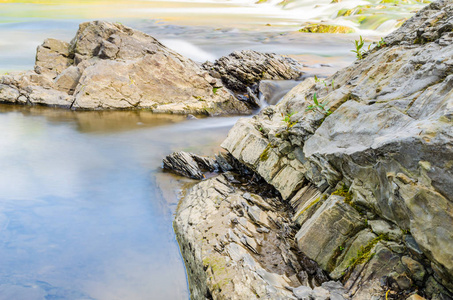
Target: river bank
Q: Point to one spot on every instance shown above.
(362, 162)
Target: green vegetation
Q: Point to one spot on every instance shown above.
(326, 28)
(265, 155)
(358, 48)
(364, 253)
(287, 119)
(344, 192)
(318, 106)
(214, 90)
(381, 43)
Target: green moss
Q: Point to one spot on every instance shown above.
(344, 192)
(308, 207)
(214, 90)
(326, 28)
(265, 155)
(364, 253)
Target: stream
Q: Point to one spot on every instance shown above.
(85, 209)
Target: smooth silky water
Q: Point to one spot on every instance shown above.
(85, 209)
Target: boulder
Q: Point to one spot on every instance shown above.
(243, 70)
(236, 245)
(111, 66)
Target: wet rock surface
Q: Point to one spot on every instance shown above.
(111, 66)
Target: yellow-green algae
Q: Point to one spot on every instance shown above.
(326, 28)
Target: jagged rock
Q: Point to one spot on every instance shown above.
(189, 164)
(111, 66)
(337, 221)
(389, 139)
(226, 256)
(245, 69)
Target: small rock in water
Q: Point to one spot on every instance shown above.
(189, 164)
(191, 117)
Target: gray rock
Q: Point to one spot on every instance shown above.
(389, 139)
(303, 293)
(382, 227)
(111, 66)
(220, 263)
(414, 268)
(242, 69)
(189, 164)
(337, 221)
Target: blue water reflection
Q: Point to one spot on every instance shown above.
(82, 215)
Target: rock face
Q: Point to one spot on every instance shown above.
(242, 71)
(370, 183)
(111, 66)
(239, 245)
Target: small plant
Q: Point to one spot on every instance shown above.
(287, 119)
(333, 85)
(316, 79)
(341, 248)
(214, 90)
(358, 48)
(381, 43)
(321, 107)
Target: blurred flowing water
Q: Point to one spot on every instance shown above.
(85, 209)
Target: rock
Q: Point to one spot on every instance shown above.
(189, 164)
(111, 66)
(414, 268)
(415, 297)
(222, 250)
(320, 293)
(337, 221)
(326, 28)
(245, 69)
(303, 293)
(388, 139)
(381, 227)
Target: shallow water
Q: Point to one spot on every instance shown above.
(85, 209)
(82, 212)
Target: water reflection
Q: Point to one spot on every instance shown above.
(82, 215)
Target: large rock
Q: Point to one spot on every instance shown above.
(111, 66)
(242, 71)
(388, 139)
(237, 245)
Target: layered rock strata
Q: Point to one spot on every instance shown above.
(368, 175)
(242, 71)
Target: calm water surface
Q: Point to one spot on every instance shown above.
(85, 210)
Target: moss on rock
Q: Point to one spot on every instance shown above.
(326, 28)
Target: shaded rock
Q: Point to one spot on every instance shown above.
(245, 69)
(415, 268)
(189, 164)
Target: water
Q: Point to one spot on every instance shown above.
(85, 209)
